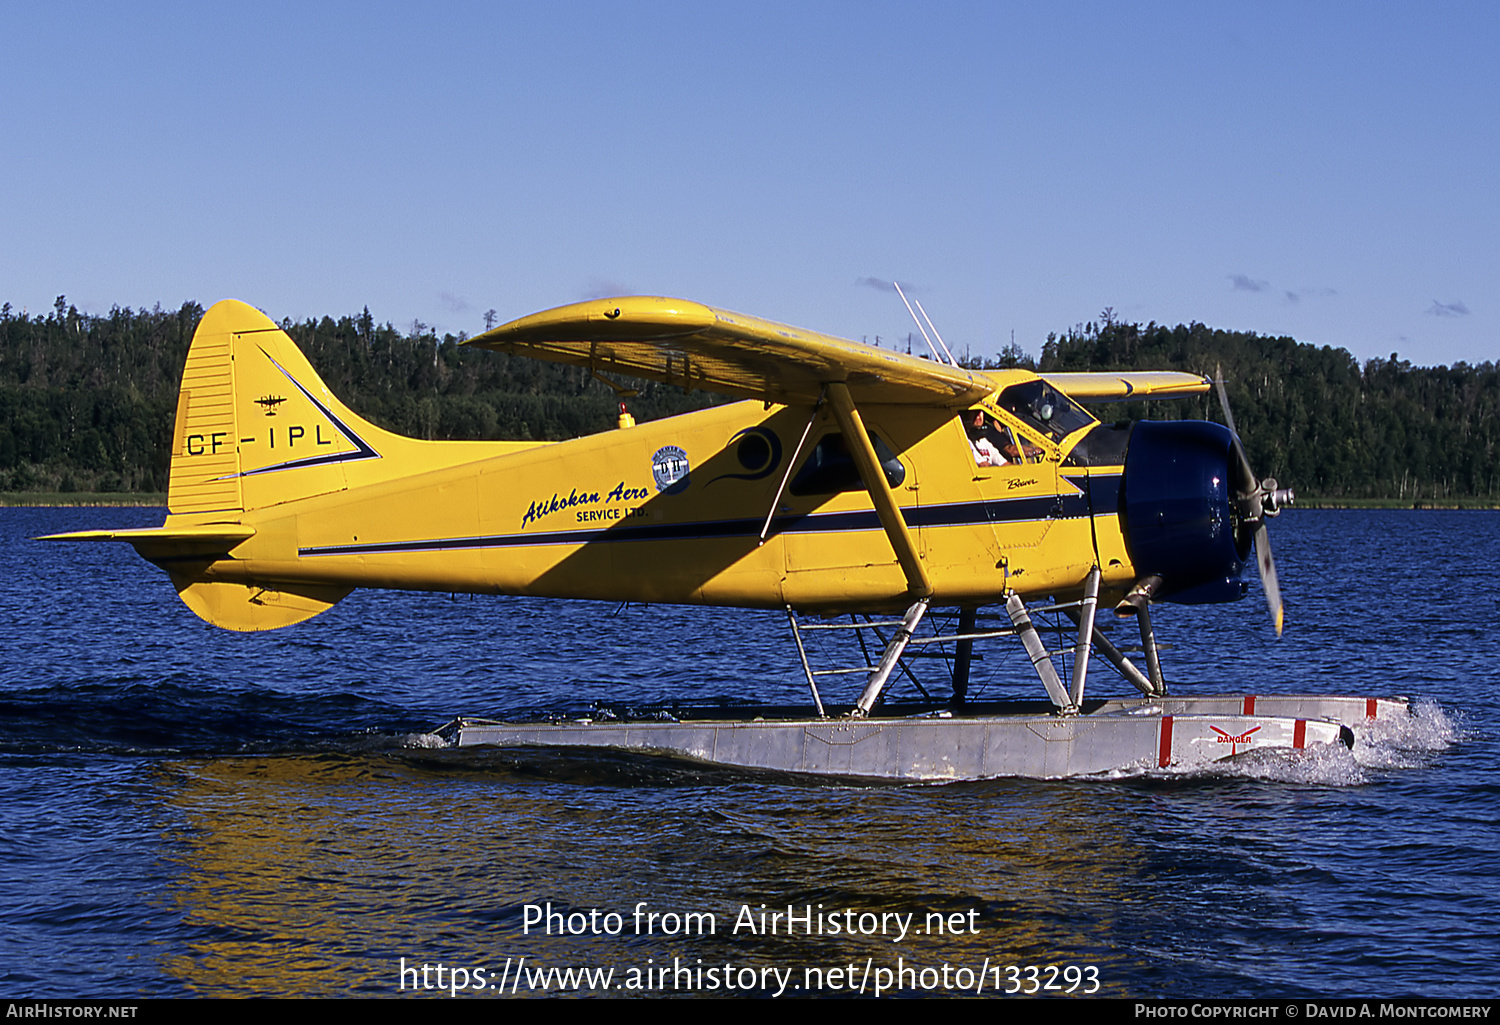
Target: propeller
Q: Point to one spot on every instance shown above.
(1256, 501)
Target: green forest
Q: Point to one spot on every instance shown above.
(1312, 416)
(86, 402)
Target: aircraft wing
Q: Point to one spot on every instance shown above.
(1128, 385)
(691, 345)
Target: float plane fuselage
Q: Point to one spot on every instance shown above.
(760, 504)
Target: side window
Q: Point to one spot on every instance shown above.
(994, 443)
(1023, 449)
(830, 469)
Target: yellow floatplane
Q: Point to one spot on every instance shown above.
(850, 480)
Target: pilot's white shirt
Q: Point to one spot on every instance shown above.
(985, 453)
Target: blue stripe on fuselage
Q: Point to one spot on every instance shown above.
(997, 512)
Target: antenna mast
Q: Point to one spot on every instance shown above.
(951, 361)
(920, 328)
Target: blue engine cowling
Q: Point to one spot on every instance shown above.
(1177, 511)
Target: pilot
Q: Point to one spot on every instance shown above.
(985, 452)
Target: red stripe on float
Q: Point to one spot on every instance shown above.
(1164, 752)
(1249, 705)
(1369, 708)
(1299, 733)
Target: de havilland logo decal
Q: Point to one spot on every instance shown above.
(669, 468)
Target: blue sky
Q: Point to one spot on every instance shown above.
(1322, 170)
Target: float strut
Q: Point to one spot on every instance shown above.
(1148, 642)
(1117, 658)
(888, 661)
(802, 654)
(1085, 634)
(963, 654)
(1040, 660)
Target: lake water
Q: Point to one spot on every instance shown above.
(188, 811)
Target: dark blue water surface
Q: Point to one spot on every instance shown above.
(187, 811)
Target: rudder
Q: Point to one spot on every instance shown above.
(205, 451)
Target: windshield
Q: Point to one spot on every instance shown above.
(1045, 408)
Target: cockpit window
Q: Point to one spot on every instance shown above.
(1045, 408)
(995, 444)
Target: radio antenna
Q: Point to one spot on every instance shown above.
(920, 328)
(951, 361)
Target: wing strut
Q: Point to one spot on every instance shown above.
(865, 459)
(781, 488)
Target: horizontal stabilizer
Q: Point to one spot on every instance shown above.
(227, 604)
(212, 532)
(170, 543)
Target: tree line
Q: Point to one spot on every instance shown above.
(87, 402)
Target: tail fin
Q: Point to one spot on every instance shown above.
(252, 408)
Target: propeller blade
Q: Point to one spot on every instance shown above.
(1223, 397)
(1249, 484)
(1268, 582)
(1252, 504)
